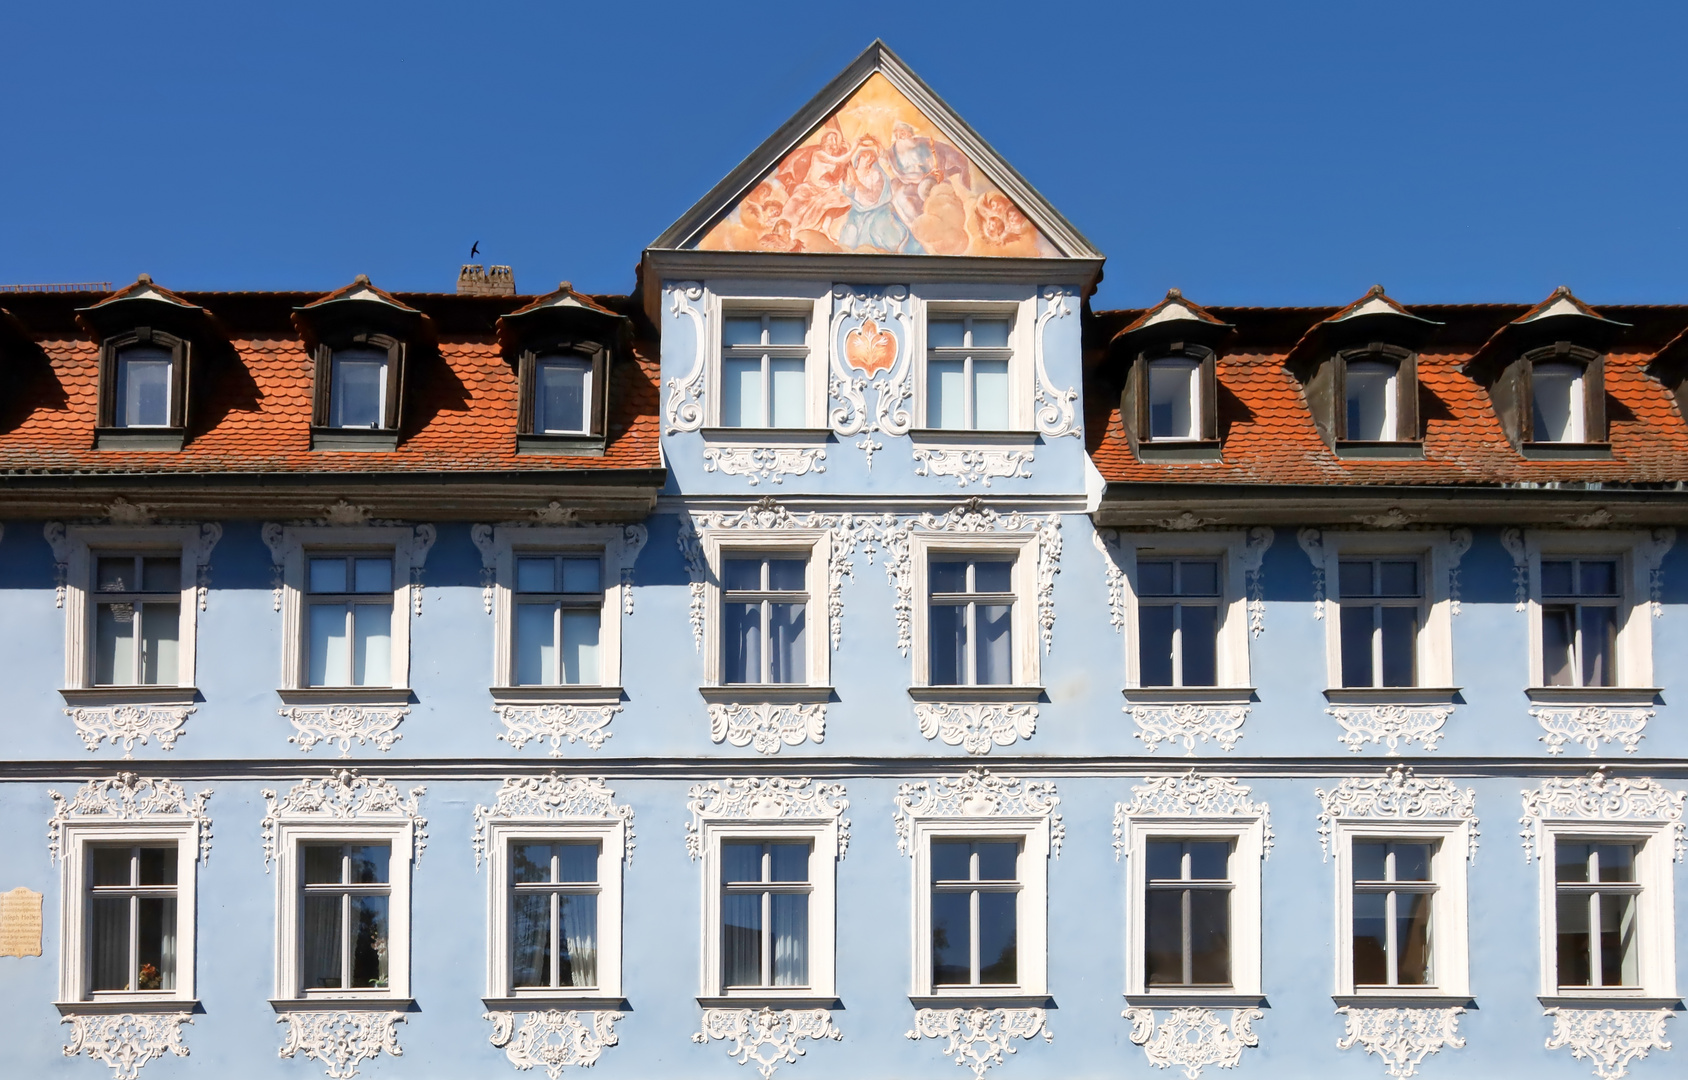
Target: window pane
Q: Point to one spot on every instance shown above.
(115, 574)
(143, 387)
(741, 575)
(945, 333)
(108, 943)
(946, 395)
(995, 577)
(1551, 406)
(742, 331)
(1556, 578)
(1154, 645)
(1358, 624)
(1172, 406)
(536, 575)
(160, 624)
(1371, 939)
(994, 666)
(359, 387)
(1163, 937)
(1412, 938)
(790, 931)
(582, 575)
(530, 862)
(161, 574)
(786, 660)
(742, 641)
(1617, 940)
(997, 860)
(1599, 644)
(580, 647)
(372, 575)
(1209, 859)
(1210, 937)
(1370, 862)
(741, 861)
(369, 942)
(990, 333)
(1575, 968)
(328, 575)
(536, 644)
(319, 942)
(741, 939)
(1165, 860)
(530, 939)
(324, 864)
(578, 935)
(1597, 578)
(786, 330)
(789, 406)
(1570, 862)
(372, 648)
(560, 394)
(1198, 579)
(1355, 578)
(1154, 578)
(790, 862)
(367, 864)
(997, 938)
(949, 644)
(113, 866)
(951, 861)
(1399, 578)
(1412, 861)
(1200, 636)
(949, 576)
(990, 395)
(157, 866)
(155, 943)
(331, 653)
(114, 644)
(741, 392)
(787, 575)
(1400, 646)
(577, 862)
(1556, 644)
(952, 938)
(1370, 387)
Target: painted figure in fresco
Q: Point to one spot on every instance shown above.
(915, 165)
(813, 175)
(872, 220)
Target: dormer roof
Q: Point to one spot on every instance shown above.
(1172, 318)
(558, 310)
(143, 303)
(359, 305)
(1375, 316)
(1561, 317)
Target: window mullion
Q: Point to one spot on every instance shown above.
(1185, 944)
(973, 933)
(1177, 643)
(969, 405)
(1595, 959)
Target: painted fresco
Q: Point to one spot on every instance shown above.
(878, 178)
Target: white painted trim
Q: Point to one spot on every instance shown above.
(1656, 908)
(1435, 638)
(1635, 629)
(1021, 307)
(814, 543)
(1450, 962)
(1023, 547)
(1229, 547)
(1031, 910)
(814, 302)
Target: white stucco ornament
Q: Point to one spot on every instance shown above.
(129, 797)
(543, 799)
(1608, 1038)
(1597, 797)
(341, 725)
(341, 1039)
(972, 465)
(977, 793)
(556, 724)
(125, 1042)
(1390, 725)
(764, 726)
(978, 1038)
(766, 1036)
(343, 796)
(1191, 795)
(1192, 1037)
(1397, 795)
(552, 1039)
(759, 463)
(1402, 1038)
(1188, 723)
(975, 726)
(1590, 725)
(130, 724)
(764, 798)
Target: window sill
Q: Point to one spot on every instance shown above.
(1629, 999)
(158, 438)
(766, 436)
(772, 694)
(369, 440)
(574, 694)
(560, 445)
(1194, 450)
(96, 696)
(1567, 451)
(1212, 999)
(966, 694)
(1392, 695)
(345, 695)
(106, 1006)
(1593, 695)
(1397, 998)
(969, 437)
(343, 1001)
(1359, 450)
(773, 999)
(1189, 695)
(1006, 998)
(564, 1002)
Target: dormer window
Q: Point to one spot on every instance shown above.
(1557, 409)
(1378, 400)
(1175, 398)
(145, 384)
(148, 339)
(562, 393)
(1169, 403)
(563, 347)
(357, 396)
(360, 339)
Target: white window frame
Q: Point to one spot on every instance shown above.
(1022, 548)
(741, 299)
(1577, 405)
(823, 837)
(1247, 835)
(815, 546)
(289, 836)
(1435, 652)
(611, 838)
(1450, 962)
(1655, 908)
(1197, 392)
(1633, 656)
(78, 837)
(1032, 832)
(1016, 305)
(1232, 664)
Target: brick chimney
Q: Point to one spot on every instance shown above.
(475, 280)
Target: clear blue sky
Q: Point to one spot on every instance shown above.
(1249, 153)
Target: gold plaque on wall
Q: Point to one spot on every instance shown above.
(20, 923)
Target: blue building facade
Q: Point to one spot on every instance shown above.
(729, 676)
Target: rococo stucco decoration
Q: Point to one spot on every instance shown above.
(868, 353)
(766, 1036)
(556, 724)
(973, 465)
(129, 797)
(759, 463)
(1256, 542)
(684, 408)
(341, 725)
(1590, 725)
(1188, 723)
(979, 1037)
(1192, 1037)
(1597, 797)
(977, 793)
(284, 542)
(1397, 795)
(1390, 725)
(125, 1042)
(975, 725)
(552, 798)
(341, 1040)
(620, 556)
(1402, 1037)
(765, 725)
(553, 1039)
(1057, 414)
(1513, 541)
(1609, 1038)
(1191, 795)
(343, 796)
(765, 798)
(130, 724)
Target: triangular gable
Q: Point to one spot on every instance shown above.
(1174, 308)
(877, 164)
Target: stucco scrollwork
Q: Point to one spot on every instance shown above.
(975, 725)
(765, 725)
(1397, 795)
(1192, 1037)
(1652, 550)
(1390, 725)
(340, 725)
(686, 395)
(1056, 415)
(129, 797)
(1513, 541)
(766, 1036)
(977, 793)
(869, 356)
(1106, 541)
(1609, 1038)
(551, 798)
(1312, 542)
(764, 798)
(1191, 795)
(759, 463)
(556, 724)
(1255, 544)
(1187, 723)
(125, 1042)
(972, 465)
(552, 1039)
(1459, 542)
(1403, 1038)
(1597, 797)
(341, 1040)
(59, 541)
(1589, 725)
(343, 796)
(979, 1037)
(482, 535)
(130, 724)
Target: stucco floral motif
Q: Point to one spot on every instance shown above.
(974, 726)
(1191, 795)
(1403, 1038)
(686, 395)
(972, 466)
(1312, 542)
(1459, 542)
(1597, 797)
(1513, 541)
(552, 798)
(766, 1036)
(1193, 1038)
(1106, 541)
(979, 1037)
(1590, 725)
(1609, 1038)
(341, 725)
(977, 793)
(759, 463)
(870, 357)
(130, 724)
(343, 796)
(764, 725)
(125, 1042)
(1255, 544)
(1390, 725)
(341, 1040)
(1056, 414)
(764, 798)
(555, 724)
(1652, 551)
(129, 797)
(553, 1039)
(1186, 723)
(1397, 795)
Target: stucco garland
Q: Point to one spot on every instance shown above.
(765, 725)
(766, 1036)
(125, 1042)
(552, 798)
(129, 797)
(979, 1037)
(1589, 725)
(553, 1039)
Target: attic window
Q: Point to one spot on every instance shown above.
(142, 390)
(1564, 396)
(563, 390)
(1175, 398)
(1370, 390)
(357, 396)
(1171, 397)
(358, 381)
(144, 378)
